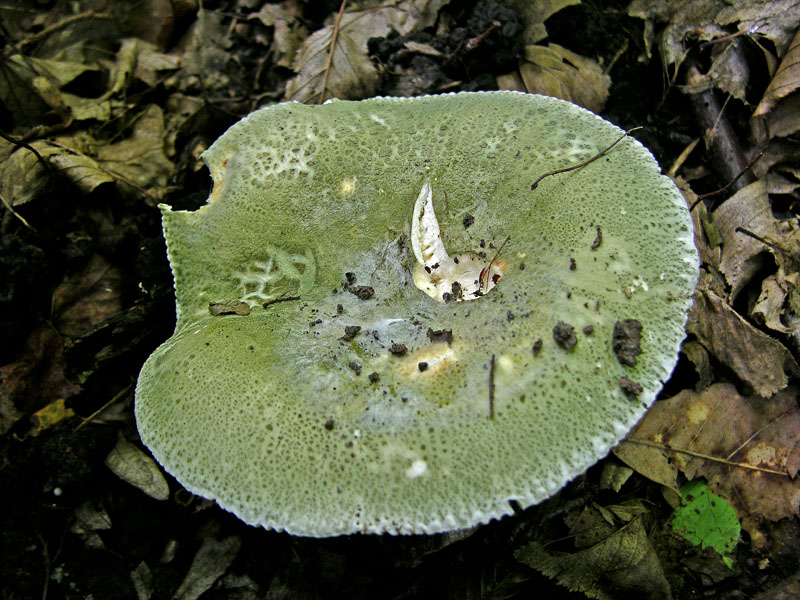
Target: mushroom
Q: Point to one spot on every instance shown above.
(499, 396)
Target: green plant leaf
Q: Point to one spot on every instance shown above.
(706, 519)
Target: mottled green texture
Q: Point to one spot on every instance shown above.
(266, 414)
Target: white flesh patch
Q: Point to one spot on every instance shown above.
(461, 277)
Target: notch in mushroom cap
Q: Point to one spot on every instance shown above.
(261, 411)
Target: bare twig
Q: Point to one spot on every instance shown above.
(488, 270)
(15, 213)
(535, 184)
(706, 457)
(281, 299)
(491, 388)
(113, 400)
(93, 13)
(27, 146)
(334, 35)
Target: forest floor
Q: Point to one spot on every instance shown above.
(105, 108)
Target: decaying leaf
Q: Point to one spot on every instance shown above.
(288, 33)
(132, 465)
(138, 164)
(209, 564)
(35, 379)
(706, 519)
(708, 19)
(741, 445)
(770, 306)
(758, 359)
(555, 71)
(88, 297)
(609, 563)
(785, 80)
(88, 521)
(50, 415)
(784, 119)
(351, 75)
(698, 356)
(742, 254)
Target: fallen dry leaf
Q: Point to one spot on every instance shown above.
(742, 255)
(133, 466)
(785, 80)
(50, 415)
(784, 119)
(555, 71)
(35, 379)
(211, 561)
(88, 297)
(744, 446)
(708, 19)
(610, 563)
(756, 358)
(352, 74)
(770, 306)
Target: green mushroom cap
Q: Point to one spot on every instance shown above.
(354, 350)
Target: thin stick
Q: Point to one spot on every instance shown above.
(489, 268)
(330, 54)
(766, 242)
(535, 184)
(51, 29)
(281, 299)
(116, 397)
(27, 146)
(707, 457)
(731, 183)
(15, 213)
(491, 388)
(750, 439)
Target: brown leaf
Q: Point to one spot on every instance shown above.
(769, 307)
(88, 297)
(755, 357)
(555, 71)
(784, 120)
(36, 379)
(352, 74)
(742, 254)
(288, 33)
(786, 78)
(613, 564)
(703, 435)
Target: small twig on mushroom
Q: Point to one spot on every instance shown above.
(535, 184)
(491, 388)
(281, 299)
(706, 457)
(488, 269)
(334, 35)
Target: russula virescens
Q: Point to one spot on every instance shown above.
(354, 353)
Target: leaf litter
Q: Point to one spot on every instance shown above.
(96, 113)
